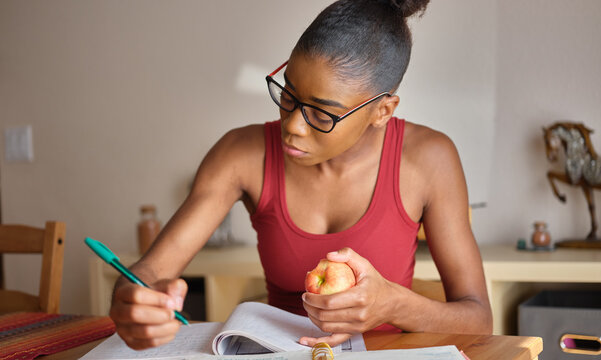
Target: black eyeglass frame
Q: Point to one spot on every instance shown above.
(297, 103)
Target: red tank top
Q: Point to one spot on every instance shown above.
(385, 234)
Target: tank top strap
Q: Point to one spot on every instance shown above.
(273, 162)
(388, 177)
(397, 143)
(388, 171)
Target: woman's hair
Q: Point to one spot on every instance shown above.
(367, 42)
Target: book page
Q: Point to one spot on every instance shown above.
(293, 355)
(430, 353)
(240, 345)
(354, 344)
(272, 328)
(190, 340)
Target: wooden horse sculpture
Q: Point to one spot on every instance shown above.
(582, 164)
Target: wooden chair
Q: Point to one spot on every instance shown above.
(432, 289)
(49, 242)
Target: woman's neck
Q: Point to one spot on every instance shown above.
(365, 152)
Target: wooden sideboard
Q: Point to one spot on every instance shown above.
(234, 274)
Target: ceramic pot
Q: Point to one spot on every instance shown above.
(540, 236)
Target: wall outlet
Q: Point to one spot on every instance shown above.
(18, 144)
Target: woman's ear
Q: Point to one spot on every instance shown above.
(385, 110)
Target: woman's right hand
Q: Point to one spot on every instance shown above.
(144, 317)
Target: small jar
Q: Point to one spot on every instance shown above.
(148, 227)
(540, 236)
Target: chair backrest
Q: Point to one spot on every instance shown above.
(48, 241)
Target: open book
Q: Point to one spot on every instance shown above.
(257, 331)
(256, 328)
(252, 328)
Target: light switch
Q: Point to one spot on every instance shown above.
(18, 144)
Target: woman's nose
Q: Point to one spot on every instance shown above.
(295, 123)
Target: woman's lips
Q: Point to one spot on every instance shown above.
(292, 151)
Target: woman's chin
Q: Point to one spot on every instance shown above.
(305, 160)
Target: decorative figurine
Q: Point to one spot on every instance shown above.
(582, 169)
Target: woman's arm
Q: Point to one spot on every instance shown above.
(452, 245)
(144, 317)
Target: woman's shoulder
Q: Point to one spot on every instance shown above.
(430, 167)
(246, 141)
(423, 140)
(247, 135)
(240, 149)
(237, 158)
(428, 149)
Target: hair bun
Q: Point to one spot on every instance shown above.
(410, 7)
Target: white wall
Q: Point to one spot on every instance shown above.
(450, 84)
(125, 98)
(548, 70)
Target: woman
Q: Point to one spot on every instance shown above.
(336, 175)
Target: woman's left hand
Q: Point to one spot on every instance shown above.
(356, 310)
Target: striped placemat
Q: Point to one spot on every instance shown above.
(27, 335)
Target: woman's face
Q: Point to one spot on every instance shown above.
(313, 81)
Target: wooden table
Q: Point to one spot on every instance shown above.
(476, 347)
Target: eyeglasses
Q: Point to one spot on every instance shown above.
(317, 118)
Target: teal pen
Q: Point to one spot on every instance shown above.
(110, 258)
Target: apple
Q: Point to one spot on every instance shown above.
(329, 277)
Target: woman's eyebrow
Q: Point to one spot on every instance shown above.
(288, 82)
(326, 102)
